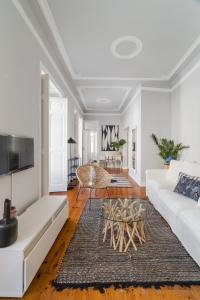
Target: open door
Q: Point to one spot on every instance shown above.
(57, 144)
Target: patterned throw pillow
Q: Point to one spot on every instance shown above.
(188, 186)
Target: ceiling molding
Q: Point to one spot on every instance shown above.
(186, 75)
(82, 97)
(82, 87)
(78, 77)
(178, 83)
(53, 27)
(138, 91)
(165, 90)
(124, 98)
(155, 89)
(194, 45)
(102, 114)
(32, 29)
(44, 6)
(103, 100)
(128, 38)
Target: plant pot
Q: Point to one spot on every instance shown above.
(166, 166)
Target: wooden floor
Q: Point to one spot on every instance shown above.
(41, 289)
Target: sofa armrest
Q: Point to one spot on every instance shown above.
(156, 174)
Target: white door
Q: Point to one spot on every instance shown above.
(57, 144)
(90, 145)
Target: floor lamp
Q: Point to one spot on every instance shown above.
(70, 141)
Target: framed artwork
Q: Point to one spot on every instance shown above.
(109, 134)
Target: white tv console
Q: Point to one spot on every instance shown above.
(38, 228)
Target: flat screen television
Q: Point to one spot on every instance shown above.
(16, 154)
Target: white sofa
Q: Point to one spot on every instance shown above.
(180, 212)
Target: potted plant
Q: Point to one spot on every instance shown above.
(118, 144)
(168, 150)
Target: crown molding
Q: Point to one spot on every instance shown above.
(44, 6)
(52, 25)
(102, 114)
(80, 77)
(164, 90)
(82, 87)
(124, 98)
(138, 91)
(194, 45)
(82, 97)
(32, 29)
(186, 75)
(155, 89)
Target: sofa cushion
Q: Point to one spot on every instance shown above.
(188, 186)
(191, 218)
(177, 166)
(176, 202)
(161, 184)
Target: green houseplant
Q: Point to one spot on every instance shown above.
(118, 144)
(168, 150)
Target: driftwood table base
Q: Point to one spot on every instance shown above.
(124, 225)
(123, 235)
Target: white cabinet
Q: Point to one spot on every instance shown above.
(39, 226)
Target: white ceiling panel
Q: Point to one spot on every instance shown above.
(166, 28)
(107, 42)
(104, 98)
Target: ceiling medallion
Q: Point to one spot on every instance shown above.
(132, 39)
(102, 100)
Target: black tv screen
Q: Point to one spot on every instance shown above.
(16, 154)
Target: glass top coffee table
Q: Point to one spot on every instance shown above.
(124, 222)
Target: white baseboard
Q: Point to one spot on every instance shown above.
(134, 177)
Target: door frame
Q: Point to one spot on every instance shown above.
(43, 165)
(126, 147)
(44, 136)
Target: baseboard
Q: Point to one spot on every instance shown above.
(140, 183)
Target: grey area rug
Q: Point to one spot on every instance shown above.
(119, 180)
(88, 262)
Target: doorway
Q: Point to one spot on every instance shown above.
(126, 148)
(90, 141)
(53, 137)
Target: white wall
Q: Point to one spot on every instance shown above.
(20, 57)
(155, 118)
(149, 112)
(132, 119)
(72, 125)
(186, 116)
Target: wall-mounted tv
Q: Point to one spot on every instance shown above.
(16, 154)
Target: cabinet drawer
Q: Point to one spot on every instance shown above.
(35, 258)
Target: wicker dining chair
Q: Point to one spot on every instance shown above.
(93, 177)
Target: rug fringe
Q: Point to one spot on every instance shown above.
(120, 285)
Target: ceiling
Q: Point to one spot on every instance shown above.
(109, 46)
(103, 98)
